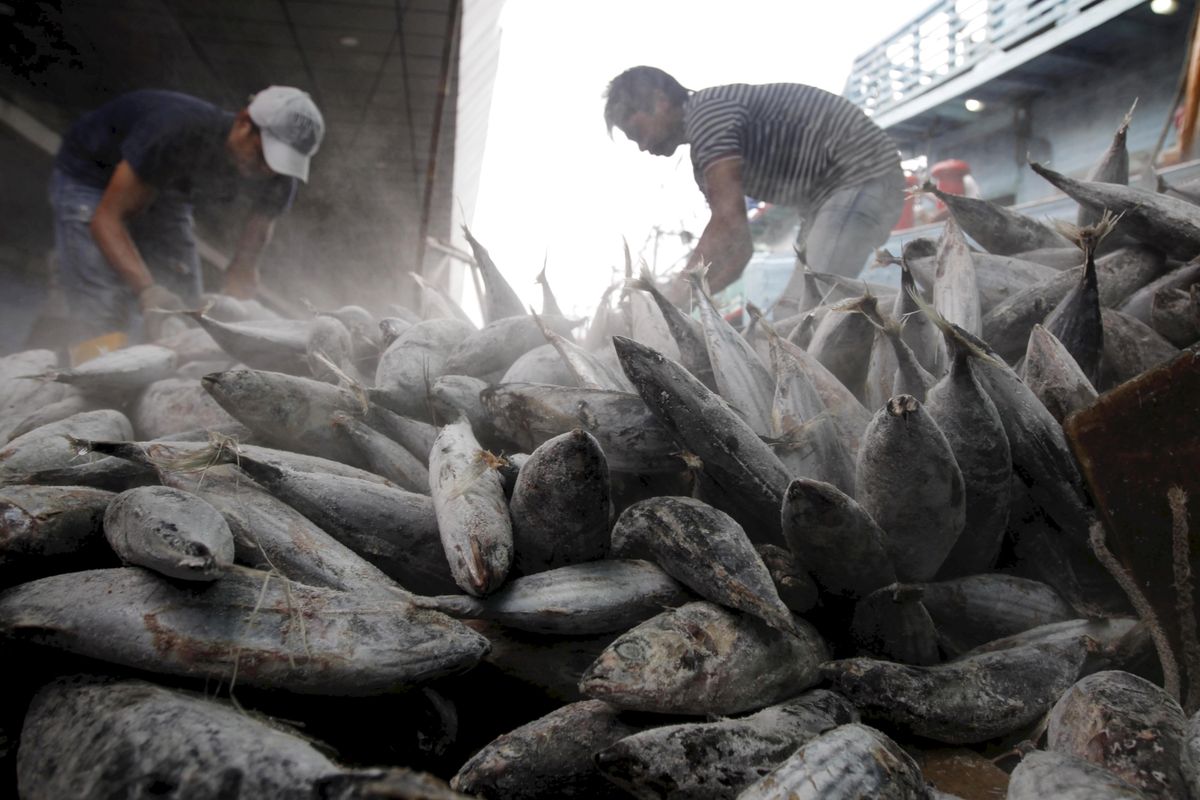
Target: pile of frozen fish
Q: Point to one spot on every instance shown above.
(840, 554)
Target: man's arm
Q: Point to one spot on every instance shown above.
(125, 196)
(241, 278)
(726, 243)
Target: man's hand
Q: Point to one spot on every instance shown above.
(240, 284)
(153, 301)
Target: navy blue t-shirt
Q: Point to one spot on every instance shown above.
(175, 143)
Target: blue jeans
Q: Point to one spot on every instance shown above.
(98, 300)
(841, 235)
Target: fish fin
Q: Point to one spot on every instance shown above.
(885, 258)
(1128, 117)
(1088, 237)
(951, 331)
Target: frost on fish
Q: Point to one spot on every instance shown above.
(472, 512)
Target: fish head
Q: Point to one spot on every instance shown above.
(622, 667)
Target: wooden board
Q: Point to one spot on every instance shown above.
(1133, 444)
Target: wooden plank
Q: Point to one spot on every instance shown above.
(1133, 444)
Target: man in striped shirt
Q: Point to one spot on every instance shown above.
(783, 143)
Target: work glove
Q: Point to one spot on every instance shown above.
(154, 300)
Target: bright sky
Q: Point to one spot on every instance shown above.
(554, 185)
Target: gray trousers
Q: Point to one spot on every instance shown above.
(846, 229)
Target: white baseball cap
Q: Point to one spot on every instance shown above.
(292, 128)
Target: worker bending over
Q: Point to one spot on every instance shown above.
(124, 182)
(782, 143)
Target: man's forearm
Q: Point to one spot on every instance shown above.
(727, 251)
(114, 241)
(241, 276)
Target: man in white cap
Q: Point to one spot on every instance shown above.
(124, 183)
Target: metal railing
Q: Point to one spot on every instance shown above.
(946, 41)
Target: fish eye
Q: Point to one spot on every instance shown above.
(631, 651)
(510, 751)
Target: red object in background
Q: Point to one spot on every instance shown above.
(907, 218)
(949, 176)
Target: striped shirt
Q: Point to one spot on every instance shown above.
(798, 144)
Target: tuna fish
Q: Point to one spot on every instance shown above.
(490, 351)
(287, 411)
(851, 760)
(1127, 725)
(414, 361)
(796, 587)
(1075, 321)
(809, 439)
(1006, 327)
(893, 623)
(734, 457)
(542, 364)
(688, 335)
(842, 342)
(1130, 348)
(704, 659)
(955, 290)
(836, 539)
(135, 739)
(1043, 774)
(971, 423)
(1113, 167)
(21, 398)
(279, 345)
(967, 701)
(584, 368)
(472, 514)
(175, 405)
(1055, 377)
(719, 759)
(976, 609)
(1175, 314)
(50, 522)
(1138, 304)
(253, 627)
(550, 757)
(393, 529)
(1165, 222)
(704, 549)
(171, 532)
(384, 456)
(549, 302)
(598, 597)
(632, 439)
(499, 299)
(999, 230)
(560, 506)
(120, 372)
(909, 482)
(741, 377)
(49, 448)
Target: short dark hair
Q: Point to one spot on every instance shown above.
(634, 90)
